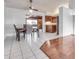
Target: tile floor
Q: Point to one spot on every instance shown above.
(26, 49)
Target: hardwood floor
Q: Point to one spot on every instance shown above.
(60, 48)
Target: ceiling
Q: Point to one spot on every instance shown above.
(50, 6)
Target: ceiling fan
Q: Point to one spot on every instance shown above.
(31, 9)
(31, 1)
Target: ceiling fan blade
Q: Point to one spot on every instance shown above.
(38, 10)
(35, 9)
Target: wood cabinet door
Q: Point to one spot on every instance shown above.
(51, 28)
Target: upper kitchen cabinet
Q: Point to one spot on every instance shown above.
(51, 19)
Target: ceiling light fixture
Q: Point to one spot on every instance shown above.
(30, 10)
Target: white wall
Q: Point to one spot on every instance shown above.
(72, 4)
(43, 23)
(60, 21)
(12, 16)
(65, 21)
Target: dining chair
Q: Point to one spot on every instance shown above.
(20, 30)
(25, 29)
(36, 29)
(17, 33)
(29, 30)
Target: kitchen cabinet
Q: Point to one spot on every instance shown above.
(51, 23)
(51, 28)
